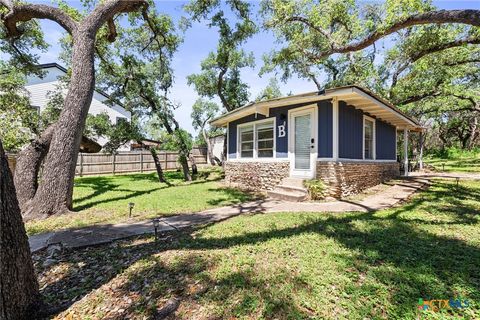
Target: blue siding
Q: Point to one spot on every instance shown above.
(350, 132)
(325, 129)
(281, 115)
(385, 141)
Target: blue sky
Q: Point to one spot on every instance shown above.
(199, 41)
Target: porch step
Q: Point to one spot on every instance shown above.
(293, 182)
(293, 196)
(290, 189)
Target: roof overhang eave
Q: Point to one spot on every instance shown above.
(347, 93)
(263, 107)
(409, 123)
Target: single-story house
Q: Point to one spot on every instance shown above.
(346, 136)
(145, 144)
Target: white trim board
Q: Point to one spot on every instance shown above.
(227, 156)
(335, 128)
(311, 109)
(266, 160)
(354, 160)
(374, 137)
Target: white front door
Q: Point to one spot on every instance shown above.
(302, 142)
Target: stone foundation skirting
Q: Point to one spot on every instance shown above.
(347, 178)
(256, 175)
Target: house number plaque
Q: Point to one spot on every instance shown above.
(281, 130)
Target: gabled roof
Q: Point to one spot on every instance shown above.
(63, 69)
(356, 96)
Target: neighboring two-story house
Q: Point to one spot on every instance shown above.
(39, 88)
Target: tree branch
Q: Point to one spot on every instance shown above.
(154, 30)
(439, 47)
(419, 97)
(112, 30)
(307, 22)
(225, 103)
(443, 46)
(460, 62)
(107, 11)
(25, 12)
(475, 106)
(470, 17)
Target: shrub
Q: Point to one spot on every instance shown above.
(316, 189)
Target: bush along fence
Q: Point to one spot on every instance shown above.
(127, 162)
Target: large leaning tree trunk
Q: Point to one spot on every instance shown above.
(158, 165)
(210, 157)
(166, 118)
(54, 193)
(28, 167)
(18, 284)
(184, 152)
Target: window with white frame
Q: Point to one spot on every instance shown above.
(256, 140)
(368, 138)
(264, 135)
(246, 141)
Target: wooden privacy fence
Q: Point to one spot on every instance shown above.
(131, 161)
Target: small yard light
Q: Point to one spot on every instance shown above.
(130, 207)
(156, 224)
(443, 166)
(457, 179)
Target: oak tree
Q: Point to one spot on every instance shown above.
(60, 145)
(18, 283)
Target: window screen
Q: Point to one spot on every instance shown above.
(246, 142)
(264, 134)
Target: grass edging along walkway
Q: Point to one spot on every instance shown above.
(98, 234)
(353, 265)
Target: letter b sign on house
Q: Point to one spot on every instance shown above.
(281, 130)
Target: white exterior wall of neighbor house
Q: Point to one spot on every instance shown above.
(217, 145)
(39, 89)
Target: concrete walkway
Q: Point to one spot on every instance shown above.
(99, 234)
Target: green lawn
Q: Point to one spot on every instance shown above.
(289, 265)
(470, 163)
(105, 199)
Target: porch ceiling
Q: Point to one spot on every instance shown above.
(356, 96)
(379, 110)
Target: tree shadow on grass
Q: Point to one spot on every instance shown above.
(103, 185)
(186, 278)
(433, 200)
(100, 185)
(390, 251)
(131, 194)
